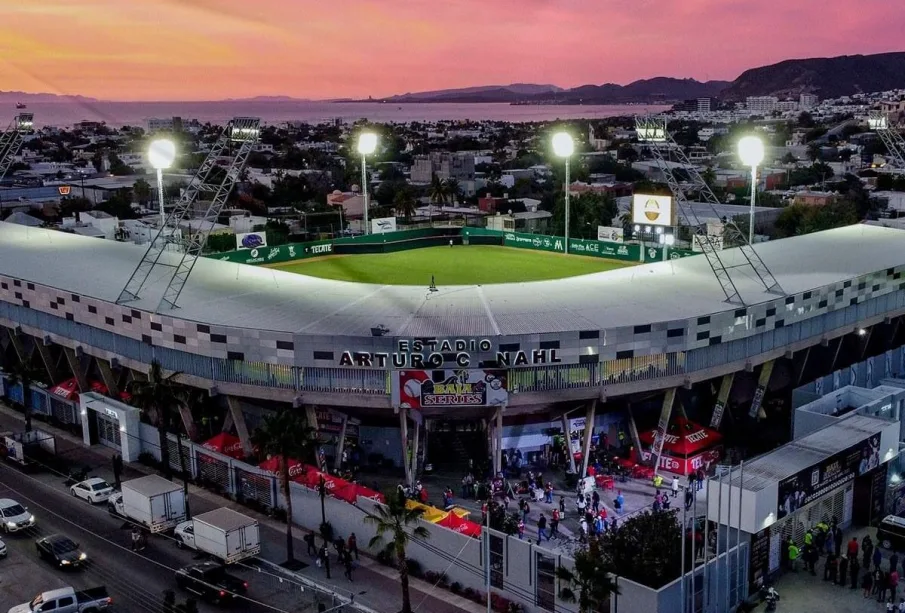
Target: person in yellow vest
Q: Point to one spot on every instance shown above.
(658, 481)
(793, 556)
(808, 538)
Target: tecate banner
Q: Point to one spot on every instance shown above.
(424, 389)
(383, 224)
(610, 234)
(653, 210)
(251, 240)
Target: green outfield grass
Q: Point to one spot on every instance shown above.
(459, 265)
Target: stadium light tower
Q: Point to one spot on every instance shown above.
(367, 144)
(161, 154)
(564, 147)
(751, 152)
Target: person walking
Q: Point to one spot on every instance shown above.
(878, 557)
(893, 561)
(867, 548)
(352, 546)
(117, 470)
(883, 586)
(793, 556)
(853, 547)
(595, 502)
(867, 584)
(347, 562)
(829, 569)
(842, 576)
(854, 569)
(325, 559)
(554, 524)
(675, 486)
(542, 529)
(309, 541)
(620, 503)
(521, 529)
(893, 583)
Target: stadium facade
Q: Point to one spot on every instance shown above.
(506, 354)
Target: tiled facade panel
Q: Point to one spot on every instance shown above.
(655, 338)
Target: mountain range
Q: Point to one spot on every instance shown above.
(826, 77)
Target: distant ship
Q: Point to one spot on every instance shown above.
(20, 105)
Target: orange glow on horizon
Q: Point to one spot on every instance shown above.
(214, 49)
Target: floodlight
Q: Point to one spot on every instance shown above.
(563, 146)
(162, 153)
(751, 150)
(367, 143)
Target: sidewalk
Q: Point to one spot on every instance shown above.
(375, 586)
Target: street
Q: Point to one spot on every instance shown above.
(135, 581)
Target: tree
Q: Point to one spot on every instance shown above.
(404, 201)
(646, 548)
(286, 435)
(789, 158)
(453, 190)
(70, 206)
(22, 373)
(590, 581)
(119, 204)
(437, 191)
(394, 518)
(157, 398)
(141, 189)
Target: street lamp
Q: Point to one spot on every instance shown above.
(564, 147)
(367, 143)
(161, 154)
(751, 151)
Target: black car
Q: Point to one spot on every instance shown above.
(211, 582)
(60, 551)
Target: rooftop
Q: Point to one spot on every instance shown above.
(229, 294)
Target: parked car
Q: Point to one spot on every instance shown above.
(2, 549)
(94, 490)
(211, 582)
(67, 600)
(60, 551)
(15, 517)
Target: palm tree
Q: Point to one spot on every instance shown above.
(590, 581)
(23, 373)
(404, 203)
(437, 190)
(453, 190)
(157, 398)
(142, 191)
(394, 518)
(286, 435)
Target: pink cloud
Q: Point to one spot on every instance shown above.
(203, 49)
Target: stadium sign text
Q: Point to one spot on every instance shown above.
(435, 353)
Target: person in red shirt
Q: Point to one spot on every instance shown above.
(853, 548)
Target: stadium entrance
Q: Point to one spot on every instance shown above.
(457, 446)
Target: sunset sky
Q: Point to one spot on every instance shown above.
(214, 49)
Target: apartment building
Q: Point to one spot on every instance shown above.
(459, 166)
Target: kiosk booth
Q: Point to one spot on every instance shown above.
(110, 423)
(687, 446)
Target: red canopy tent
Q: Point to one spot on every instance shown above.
(297, 470)
(69, 390)
(460, 525)
(366, 492)
(687, 446)
(345, 491)
(227, 444)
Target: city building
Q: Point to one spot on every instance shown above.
(808, 101)
(172, 124)
(104, 223)
(705, 105)
(351, 202)
(785, 106)
(459, 166)
(814, 198)
(761, 104)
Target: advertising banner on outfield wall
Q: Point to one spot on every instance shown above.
(251, 240)
(424, 389)
(383, 225)
(610, 234)
(278, 254)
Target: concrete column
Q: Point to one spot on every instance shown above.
(23, 354)
(416, 440)
(569, 455)
(841, 339)
(662, 427)
(49, 365)
(721, 400)
(586, 443)
(227, 422)
(633, 430)
(804, 365)
(404, 434)
(238, 418)
(109, 378)
(497, 439)
(188, 421)
(866, 341)
(76, 366)
(340, 444)
(311, 418)
(763, 380)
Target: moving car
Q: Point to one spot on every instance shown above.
(94, 490)
(60, 551)
(14, 516)
(211, 582)
(891, 533)
(67, 600)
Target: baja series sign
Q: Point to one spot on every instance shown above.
(423, 389)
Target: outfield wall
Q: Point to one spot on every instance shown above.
(430, 237)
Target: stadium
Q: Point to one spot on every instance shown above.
(450, 369)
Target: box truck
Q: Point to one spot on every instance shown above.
(152, 501)
(222, 533)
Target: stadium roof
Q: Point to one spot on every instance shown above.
(229, 294)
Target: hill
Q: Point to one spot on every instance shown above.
(483, 93)
(827, 77)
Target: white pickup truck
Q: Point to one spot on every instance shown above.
(67, 600)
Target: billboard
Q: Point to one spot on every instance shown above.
(251, 240)
(610, 234)
(809, 484)
(424, 389)
(383, 224)
(653, 210)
